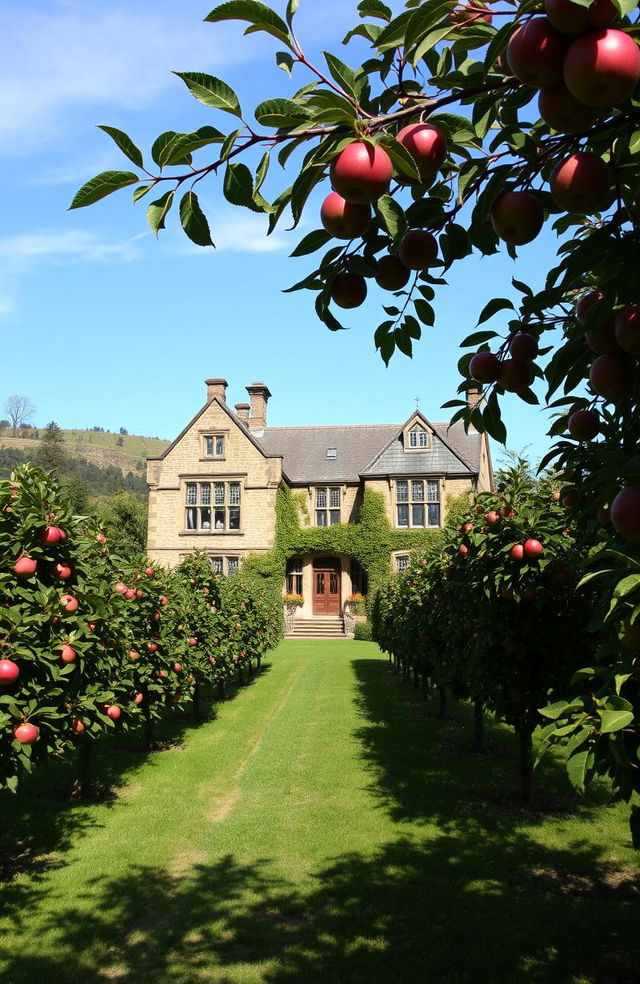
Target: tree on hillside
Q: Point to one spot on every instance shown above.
(19, 410)
(51, 451)
(466, 127)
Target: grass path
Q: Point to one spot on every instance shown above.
(324, 828)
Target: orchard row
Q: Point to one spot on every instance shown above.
(89, 643)
(506, 618)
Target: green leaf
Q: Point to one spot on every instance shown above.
(492, 419)
(401, 157)
(577, 769)
(495, 305)
(391, 216)
(160, 143)
(425, 312)
(343, 75)
(140, 192)
(615, 721)
(157, 211)
(194, 222)
(238, 186)
(281, 113)
(102, 185)
(311, 242)
(302, 188)
(125, 143)
(211, 91)
(477, 338)
(375, 8)
(284, 61)
(260, 17)
(627, 585)
(180, 146)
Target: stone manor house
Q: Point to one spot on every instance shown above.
(214, 488)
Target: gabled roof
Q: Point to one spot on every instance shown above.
(232, 416)
(370, 450)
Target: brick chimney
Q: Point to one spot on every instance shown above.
(259, 395)
(474, 396)
(242, 411)
(216, 387)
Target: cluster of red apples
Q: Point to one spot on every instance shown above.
(512, 368)
(581, 66)
(360, 175)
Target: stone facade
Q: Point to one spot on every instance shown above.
(214, 488)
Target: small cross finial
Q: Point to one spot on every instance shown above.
(417, 399)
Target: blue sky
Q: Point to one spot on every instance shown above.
(105, 325)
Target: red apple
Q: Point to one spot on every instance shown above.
(68, 654)
(584, 425)
(485, 367)
(149, 571)
(532, 548)
(192, 641)
(114, 712)
(348, 290)
(391, 273)
(517, 551)
(601, 339)
(492, 517)
(523, 346)
(133, 654)
(426, 144)
(535, 53)
(611, 377)
(581, 183)
(164, 600)
(467, 527)
(9, 672)
(515, 376)
(177, 667)
(69, 603)
(50, 535)
(571, 498)
(129, 594)
(517, 217)
(77, 725)
(585, 303)
(572, 18)
(418, 249)
(562, 111)
(625, 512)
(139, 593)
(602, 68)
(507, 512)
(92, 626)
(120, 587)
(627, 330)
(101, 538)
(26, 733)
(163, 673)
(138, 699)
(362, 172)
(25, 566)
(343, 219)
(62, 571)
(152, 647)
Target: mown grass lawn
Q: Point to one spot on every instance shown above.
(326, 827)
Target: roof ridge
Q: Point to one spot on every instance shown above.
(331, 427)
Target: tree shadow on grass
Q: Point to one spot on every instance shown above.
(452, 911)
(45, 817)
(425, 769)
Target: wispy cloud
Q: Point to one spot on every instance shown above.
(59, 57)
(21, 254)
(237, 232)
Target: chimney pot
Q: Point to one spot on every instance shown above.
(216, 388)
(259, 395)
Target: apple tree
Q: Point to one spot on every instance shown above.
(465, 128)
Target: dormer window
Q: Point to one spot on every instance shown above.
(213, 446)
(332, 452)
(418, 438)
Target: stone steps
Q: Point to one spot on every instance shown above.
(317, 628)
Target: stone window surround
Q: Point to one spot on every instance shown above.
(412, 426)
(226, 478)
(416, 478)
(327, 486)
(213, 432)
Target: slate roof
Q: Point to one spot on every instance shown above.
(369, 449)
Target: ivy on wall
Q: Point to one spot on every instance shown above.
(370, 541)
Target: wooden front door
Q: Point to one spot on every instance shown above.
(326, 586)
